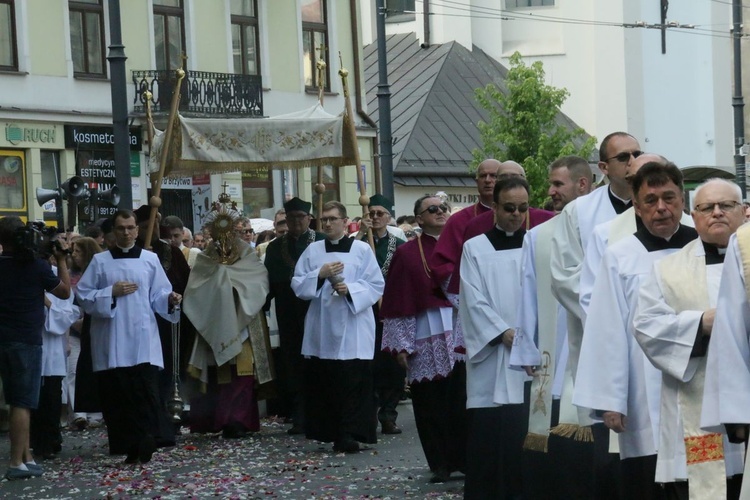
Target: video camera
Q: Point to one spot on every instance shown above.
(36, 240)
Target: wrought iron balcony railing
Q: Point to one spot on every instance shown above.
(202, 93)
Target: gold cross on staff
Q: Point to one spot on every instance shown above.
(225, 186)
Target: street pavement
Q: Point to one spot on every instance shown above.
(268, 464)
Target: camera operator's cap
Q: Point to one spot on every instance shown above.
(378, 200)
(298, 205)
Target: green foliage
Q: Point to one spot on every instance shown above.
(522, 126)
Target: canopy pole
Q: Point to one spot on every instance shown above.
(148, 96)
(320, 188)
(364, 200)
(155, 201)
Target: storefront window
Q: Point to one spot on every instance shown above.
(50, 180)
(257, 192)
(330, 181)
(13, 183)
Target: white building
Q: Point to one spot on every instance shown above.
(676, 103)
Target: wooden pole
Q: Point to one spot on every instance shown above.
(155, 200)
(364, 200)
(150, 130)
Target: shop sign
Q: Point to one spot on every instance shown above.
(98, 138)
(19, 134)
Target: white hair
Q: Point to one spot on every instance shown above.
(735, 187)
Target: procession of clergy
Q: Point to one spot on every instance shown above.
(599, 350)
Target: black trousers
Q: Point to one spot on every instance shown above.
(494, 464)
(638, 479)
(130, 405)
(45, 420)
(440, 414)
(338, 400)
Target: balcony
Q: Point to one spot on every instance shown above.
(203, 93)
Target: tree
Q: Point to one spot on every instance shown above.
(523, 125)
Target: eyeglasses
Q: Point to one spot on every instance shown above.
(247, 231)
(378, 213)
(329, 220)
(433, 209)
(625, 156)
(512, 208)
(724, 206)
(124, 229)
(296, 216)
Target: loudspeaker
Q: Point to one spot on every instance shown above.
(45, 195)
(73, 187)
(111, 196)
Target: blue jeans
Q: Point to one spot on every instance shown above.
(21, 372)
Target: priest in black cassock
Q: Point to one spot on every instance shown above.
(388, 375)
(281, 257)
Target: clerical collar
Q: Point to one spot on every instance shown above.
(618, 203)
(133, 252)
(343, 245)
(714, 254)
(507, 233)
(378, 238)
(679, 239)
(434, 236)
(502, 240)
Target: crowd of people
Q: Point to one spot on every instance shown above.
(598, 349)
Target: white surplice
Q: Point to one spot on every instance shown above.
(339, 327)
(123, 330)
(59, 317)
(490, 289)
(670, 307)
(613, 373)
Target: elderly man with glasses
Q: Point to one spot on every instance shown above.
(388, 375)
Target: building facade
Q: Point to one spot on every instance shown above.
(244, 59)
(670, 88)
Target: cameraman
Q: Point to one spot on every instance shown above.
(21, 324)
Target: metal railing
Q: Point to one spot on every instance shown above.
(203, 93)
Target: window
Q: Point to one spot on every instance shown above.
(522, 4)
(245, 37)
(50, 163)
(257, 191)
(315, 36)
(12, 183)
(169, 34)
(8, 49)
(87, 36)
(399, 11)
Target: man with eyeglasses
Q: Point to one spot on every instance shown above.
(388, 375)
(540, 347)
(418, 329)
(281, 257)
(569, 243)
(245, 229)
(673, 325)
(342, 280)
(615, 382)
(490, 291)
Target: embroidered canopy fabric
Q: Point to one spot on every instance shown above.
(307, 138)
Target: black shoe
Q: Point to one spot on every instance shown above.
(440, 476)
(234, 430)
(294, 430)
(391, 428)
(347, 445)
(146, 449)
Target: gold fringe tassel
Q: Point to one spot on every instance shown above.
(573, 431)
(535, 442)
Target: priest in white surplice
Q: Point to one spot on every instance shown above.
(490, 289)
(673, 326)
(542, 334)
(569, 242)
(614, 378)
(342, 280)
(121, 290)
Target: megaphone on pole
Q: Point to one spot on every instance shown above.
(73, 187)
(45, 195)
(111, 196)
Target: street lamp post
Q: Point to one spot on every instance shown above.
(117, 60)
